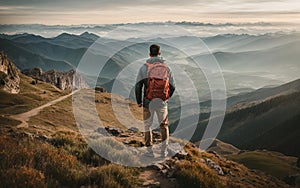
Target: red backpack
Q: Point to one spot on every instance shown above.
(158, 81)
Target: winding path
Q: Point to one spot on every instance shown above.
(24, 117)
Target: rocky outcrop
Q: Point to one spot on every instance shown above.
(63, 80)
(9, 75)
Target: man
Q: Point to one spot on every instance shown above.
(156, 78)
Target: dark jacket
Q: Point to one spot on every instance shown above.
(141, 81)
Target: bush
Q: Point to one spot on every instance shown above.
(22, 177)
(52, 162)
(114, 151)
(60, 141)
(114, 176)
(31, 163)
(79, 149)
(195, 175)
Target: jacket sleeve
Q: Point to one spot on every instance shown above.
(139, 87)
(172, 83)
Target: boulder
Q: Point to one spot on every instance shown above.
(133, 129)
(9, 75)
(99, 89)
(214, 166)
(114, 131)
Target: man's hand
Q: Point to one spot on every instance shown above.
(140, 105)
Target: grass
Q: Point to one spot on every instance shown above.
(6, 121)
(61, 115)
(31, 163)
(56, 117)
(29, 97)
(114, 151)
(195, 174)
(22, 177)
(65, 160)
(270, 162)
(236, 175)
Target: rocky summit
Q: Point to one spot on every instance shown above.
(9, 75)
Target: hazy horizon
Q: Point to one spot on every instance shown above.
(129, 11)
(200, 29)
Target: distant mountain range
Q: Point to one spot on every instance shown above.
(267, 118)
(255, 118)
(248, 62)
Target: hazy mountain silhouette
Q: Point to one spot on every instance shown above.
(264, 119)
(25, 59)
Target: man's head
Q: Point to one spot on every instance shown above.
(154, 50)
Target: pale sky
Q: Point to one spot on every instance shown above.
(73, 12)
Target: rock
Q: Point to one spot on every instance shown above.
(214, 166)
(136, 143)
(100, 89)
(152, 184)
(157, 166)
(126, 142)
(215, 153)
(9, 75)
(182, 155)
(175, 150)
(114, 131)
(164, 171)
(219, 170)
(133, 129)
(62, 80)
(210, 163)
(166, 166)
(124, 135)
(33, 82)
(102, 131)
(103, 101)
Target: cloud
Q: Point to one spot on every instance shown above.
(110, 11)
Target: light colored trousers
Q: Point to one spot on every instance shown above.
(162, 116)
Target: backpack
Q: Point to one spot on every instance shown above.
(158, 81)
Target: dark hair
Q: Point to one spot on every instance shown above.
(154, 49)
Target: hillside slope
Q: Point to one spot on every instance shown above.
(269, 124)
(57, 154)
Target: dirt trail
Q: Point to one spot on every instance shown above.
(24, 117)
(153, 178)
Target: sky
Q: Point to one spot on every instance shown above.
(75, 12)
